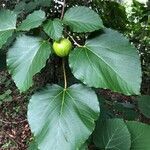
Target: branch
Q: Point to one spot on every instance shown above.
(75, 42)
(63, 9)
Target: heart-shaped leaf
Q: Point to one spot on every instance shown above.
(63, 118)
(108, 61)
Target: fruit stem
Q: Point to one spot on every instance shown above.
(75, 42)
(63, 9)
(64, 70)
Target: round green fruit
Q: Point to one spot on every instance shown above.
(62, 47)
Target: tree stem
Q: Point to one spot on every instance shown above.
(65, 77)
(63, 60)
(63, 10)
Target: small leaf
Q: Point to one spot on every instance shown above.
(140, 135)
(54, 29)
(112, 134)
(63, 118)
(82, 19)
(33, 20)
(144, 105)
(7, 25)
(108, 61)
(26, 58)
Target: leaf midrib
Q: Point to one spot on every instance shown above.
(107, 64)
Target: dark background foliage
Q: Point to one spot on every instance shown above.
(135, 26)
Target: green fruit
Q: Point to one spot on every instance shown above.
(62, 47)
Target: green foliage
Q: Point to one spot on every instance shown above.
(116, 134)
(54, 29)
(112, 13)
(67, 118)
(112, 134)
(4, 35)
(64, 117)
(26, 6)
(32, 21)
(90, 21)
(33, 146)
(8, 20)
(138, 32)
(140, 135)
(8, 24)
(108, 60)
(144, 105)
(26, 58)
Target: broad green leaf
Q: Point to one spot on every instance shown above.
(140, 135)
(4, 35)
(54, 29)
(144, 105)
(63, 118)
(108, 61)
(82, 19)
(26, 58)
(7, 20)
(33, 20)
(7, 25)
(33, 145)
(112, 134)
